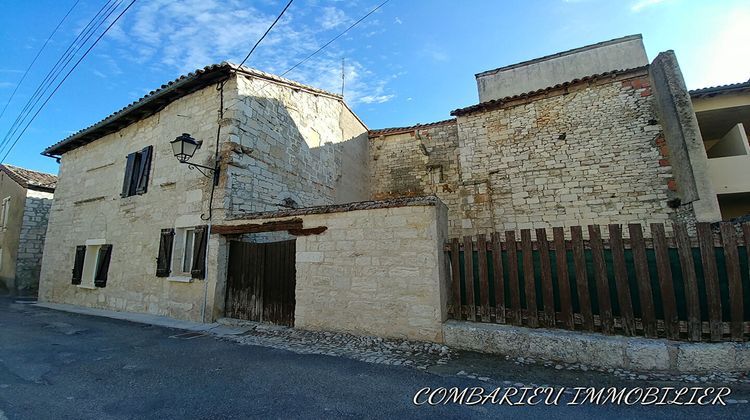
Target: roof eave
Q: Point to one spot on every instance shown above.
(130, 114)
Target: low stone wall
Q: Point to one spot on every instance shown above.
(377, 269)
(598, 350)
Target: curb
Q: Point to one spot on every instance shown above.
(598, 350)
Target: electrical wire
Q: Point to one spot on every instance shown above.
(67, 56)
(266, 33)
(336, 37)
(12, 95)
(65, 78)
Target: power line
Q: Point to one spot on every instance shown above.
(65, 78)
(337, 36)
(67, 56)
(266, 33)
(36, 57)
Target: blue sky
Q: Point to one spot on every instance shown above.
(411, 62)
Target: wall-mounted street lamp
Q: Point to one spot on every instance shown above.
(184, 148)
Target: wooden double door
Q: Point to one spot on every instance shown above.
(261, 281)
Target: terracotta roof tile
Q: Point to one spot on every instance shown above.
(397, 130)
(717, 90)
(30, 179)
(499, 102)
(157, 99)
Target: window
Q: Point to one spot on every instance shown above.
(436, 174)
(137, 169)
(91, 264)
(187, 254)
(6, 212)
(182, 253)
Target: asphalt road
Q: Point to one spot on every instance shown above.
(56, 365)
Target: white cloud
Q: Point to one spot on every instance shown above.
(642, 4)
(333, 17)
(6, 85)
(189, 34)
(376, 99)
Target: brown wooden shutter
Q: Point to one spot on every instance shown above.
(144, 170)
(102, 265)
(78, 264)
(128, 180)
(165, 253)
(198, 271)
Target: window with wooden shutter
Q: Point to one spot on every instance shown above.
(164, 258)
(78, 264)
(144, 168)
(198, 270)
(137, 171)
(102, 265)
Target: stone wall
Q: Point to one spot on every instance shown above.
(31, 241)
(589, 156)
(416, 162)
(378, 269)
(293, 148)
(268, 153)
(88, 206)
(590, 152)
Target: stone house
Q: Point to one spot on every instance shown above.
(122, 194)
(26, 200)
(593, 135)
(289, 233)
(723, 114)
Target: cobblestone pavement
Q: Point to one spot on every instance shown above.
(414, 354)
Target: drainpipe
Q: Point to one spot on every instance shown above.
(206, 279)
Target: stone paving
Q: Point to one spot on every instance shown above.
(419, 355)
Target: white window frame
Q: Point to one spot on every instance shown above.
(190, 232)
(179, 257)
(90, 262)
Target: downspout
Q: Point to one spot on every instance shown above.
(220, 88)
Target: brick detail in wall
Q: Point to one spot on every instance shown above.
(594, 154)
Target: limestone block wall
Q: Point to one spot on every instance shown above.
(88, 206)
(416, 162)
(589, 156)
(31, 240)
(378, 268)
(293, 147)
(375, 272)
(591, 152)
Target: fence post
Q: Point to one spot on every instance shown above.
(692, 302)
(669, 301)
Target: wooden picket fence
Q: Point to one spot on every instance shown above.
(674, 287)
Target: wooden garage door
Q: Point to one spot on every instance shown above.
(260, 282)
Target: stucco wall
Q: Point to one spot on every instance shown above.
(9, 236)
(617, 54)
(31, 240)
(292, 144)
